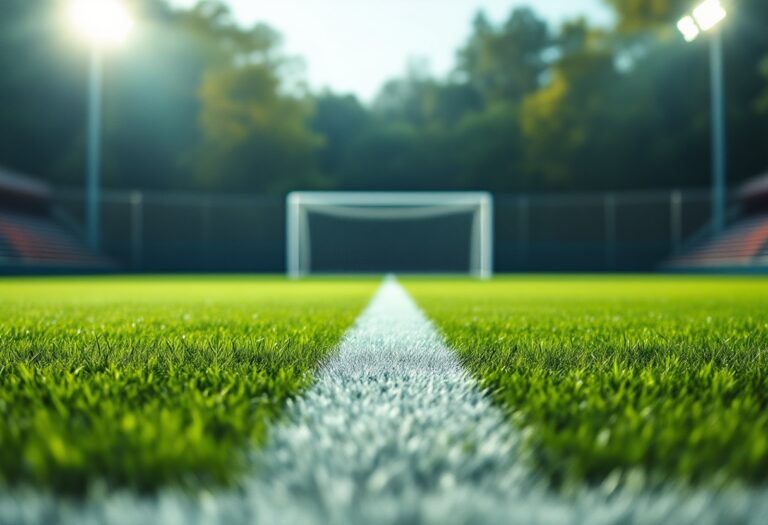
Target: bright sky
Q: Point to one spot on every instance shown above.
(356, 45)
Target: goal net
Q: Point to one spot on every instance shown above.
(371, 232)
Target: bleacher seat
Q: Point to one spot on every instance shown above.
(30, 239)
(34, 240)
(743, 245)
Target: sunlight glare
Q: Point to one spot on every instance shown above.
(101, 22)
(688, 28)
(709, 14)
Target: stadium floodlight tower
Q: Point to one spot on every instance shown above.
(388, 206)
(707, 18)
(104, 24)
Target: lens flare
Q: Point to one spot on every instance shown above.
(688, 28)
(101, 22)
(709, 14)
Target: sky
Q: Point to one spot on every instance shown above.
(354, 46)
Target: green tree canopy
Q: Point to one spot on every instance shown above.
(506, 62)
(198, 101)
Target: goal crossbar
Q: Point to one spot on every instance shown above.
(390, 206)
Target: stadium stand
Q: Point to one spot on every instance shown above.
(743, 246)
(31, 240)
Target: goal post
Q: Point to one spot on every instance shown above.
(388, 206)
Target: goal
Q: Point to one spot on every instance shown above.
(414, 211)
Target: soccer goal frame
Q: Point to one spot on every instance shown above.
(391, 206)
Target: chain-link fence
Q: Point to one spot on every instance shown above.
(164, 232)
(631, 231)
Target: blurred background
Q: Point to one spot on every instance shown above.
(589, 121)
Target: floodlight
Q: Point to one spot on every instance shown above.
(688, 28)
(101, 22)
(709, 14)
(706, 17)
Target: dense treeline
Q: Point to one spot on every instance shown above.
(197, 102)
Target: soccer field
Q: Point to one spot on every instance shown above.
(148, 383)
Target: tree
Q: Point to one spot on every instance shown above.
(762, 102)
(649, 25)
(172, 100)
(423, 101)
(383, 158)
(40, 86)
(254, 137)
(201, 102)
(410, 99)
(566, 126)
(649, 15)
(340, 120)
(152, 103)
(486, 148)
(506, 63)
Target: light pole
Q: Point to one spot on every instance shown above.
(706, 18)
(103, 24)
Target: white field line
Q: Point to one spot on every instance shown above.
(394, 432)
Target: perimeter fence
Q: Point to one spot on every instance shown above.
(195, 232)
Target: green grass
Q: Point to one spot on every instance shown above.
(642, 378)
(145, 382)
(149, 382)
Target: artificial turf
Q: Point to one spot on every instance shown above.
(633, 379)
(149, 382)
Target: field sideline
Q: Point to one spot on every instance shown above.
(152, 382)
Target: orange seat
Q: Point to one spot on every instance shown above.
(744, 244)
(38, 240)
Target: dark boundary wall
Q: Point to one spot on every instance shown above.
(590, 232)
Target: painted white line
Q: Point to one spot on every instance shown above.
(394, 432)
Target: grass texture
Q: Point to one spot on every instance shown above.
(641, 379)
(145, 382)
